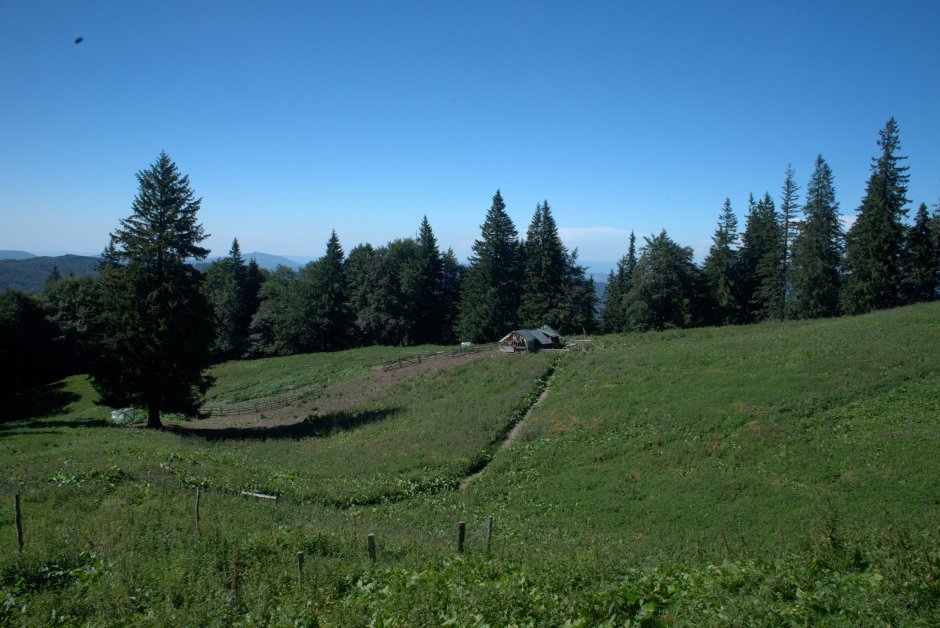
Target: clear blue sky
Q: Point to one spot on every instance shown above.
(294, 118)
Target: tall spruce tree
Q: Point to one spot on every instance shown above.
(324, 301)
(769, 295)
(613, 316)
(228, 287)
(789, 216)
(874, 245)
(451, 280)
(817, 250)
(665, 287)
(720, 268)
(155, 329)
(428, 273)
(921, 259)
(544, 263)
(489, 302)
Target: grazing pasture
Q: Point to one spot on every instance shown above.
(775, 473)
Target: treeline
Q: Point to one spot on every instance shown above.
(790, 261)
(406, 292)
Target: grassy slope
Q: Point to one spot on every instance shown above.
(774, 473)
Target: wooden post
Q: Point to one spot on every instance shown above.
(198, 493)
(300, 568)
(489, 533)
(372, 547)
(461, 533)
(18, 520)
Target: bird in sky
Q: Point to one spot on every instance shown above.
(79, 40)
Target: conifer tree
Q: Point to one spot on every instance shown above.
(451, 279)
(665, 287)
(769, 248)
(921, 276)
(720, 268)
(324, 301)
(489, 300)
(817, 250)
(228, 287)
(155, 328)
(874, 244)
(613, 316)
(789, 216)
(543, 285)
(428, 270)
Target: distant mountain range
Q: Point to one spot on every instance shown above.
(25, 271)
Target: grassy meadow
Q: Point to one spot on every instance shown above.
(783, 473)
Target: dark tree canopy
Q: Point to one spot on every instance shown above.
(817, 250)
(154, 333)
(721, 267)
(490, 297)
(874, 245)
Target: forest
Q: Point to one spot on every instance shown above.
(792, 260)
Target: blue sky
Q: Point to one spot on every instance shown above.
(294, 118)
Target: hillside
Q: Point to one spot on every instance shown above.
(777, 473)
(30, 274)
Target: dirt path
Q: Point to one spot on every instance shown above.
(363, 388)
(513, 433)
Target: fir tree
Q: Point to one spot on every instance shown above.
(875, 243)
(720, 268)
(155, 331)
(324, 301)
(789, 216)
(769, 248)
(665, 287)
(543, 284)
(613, 316)
(489, 300)
(817, 250)
(428, 271)
(921, 276)
(451, 280)
(226, 285)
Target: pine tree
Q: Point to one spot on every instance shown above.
(665, 287)
(769, 295)
(226, 285)
(451, 280)
(155, 329)
(489, 300)
(324, 301)
(817, 250)
(428, 270)
(544, 262)
(789, 216)
(613, 316)
(875, 243)
(720, 268)
(921, 275)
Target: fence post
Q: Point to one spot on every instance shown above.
(18, 520)
(372, 547)
(300, 568)
(198, 494)
(461, 533)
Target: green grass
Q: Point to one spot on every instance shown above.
(771, 474)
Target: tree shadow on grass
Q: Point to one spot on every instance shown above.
(37, 403)
(311, 427)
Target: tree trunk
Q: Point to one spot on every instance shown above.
(153, 416)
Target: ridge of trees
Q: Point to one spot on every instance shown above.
(792, 260)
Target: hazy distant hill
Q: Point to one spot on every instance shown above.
(15, 255)
(31, 273)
